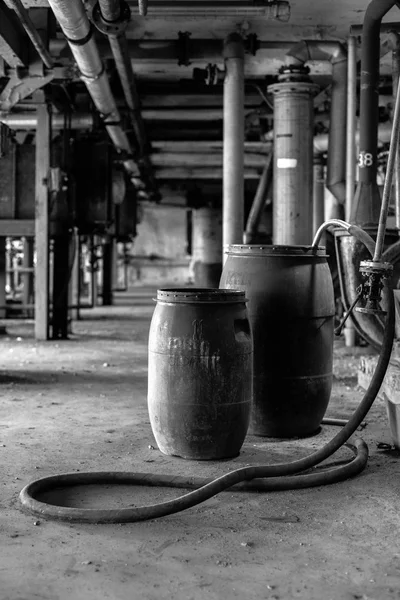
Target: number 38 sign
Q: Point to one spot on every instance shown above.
(365, 159)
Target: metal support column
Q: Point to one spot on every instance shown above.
(42, 224)
(27, 276)
(3, 278)
(351, 159)
(207, 247)
(75, 280)
(293, 157)
(233, 157)
(351, 125)
(107, 275)
(61, 270)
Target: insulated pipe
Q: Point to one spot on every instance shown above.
(387, 188)
(29, 120)
(32, 32)
(293, 161)
(367, 200)
(111, 12)
(76, 27)
(336, 53)
(233, 151)
(394, 42)
(257, 207)
(318, 192)
(351, 124)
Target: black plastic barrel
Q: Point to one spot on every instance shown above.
(291, 311)
(200, 372)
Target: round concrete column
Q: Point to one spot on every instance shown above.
(207, 247)
(293, 160)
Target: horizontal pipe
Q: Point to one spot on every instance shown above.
(195, 115)
(192, 159)
(321, 140)
(169, 49)
(25, 121)
(384, 27)
(200, 173)
(200, 146)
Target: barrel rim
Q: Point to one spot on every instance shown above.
(192, 295)
(276, 250)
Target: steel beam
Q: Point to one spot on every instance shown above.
(12, 46)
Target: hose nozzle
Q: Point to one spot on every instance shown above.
(374, 273)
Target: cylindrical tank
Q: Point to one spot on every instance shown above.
(291, 312)
(293, 160)
(207, 246)
(200, 372)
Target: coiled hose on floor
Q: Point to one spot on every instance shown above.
(281, 476)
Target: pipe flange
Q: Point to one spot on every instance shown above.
(113, 28)
(293, 87)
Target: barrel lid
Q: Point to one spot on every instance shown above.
(274, 250)
(202, 295)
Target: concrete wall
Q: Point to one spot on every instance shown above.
(159, 252)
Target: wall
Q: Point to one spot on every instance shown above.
(159, 252)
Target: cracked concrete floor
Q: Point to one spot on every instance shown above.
(80, 405)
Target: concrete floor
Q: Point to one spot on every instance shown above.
(80, 405)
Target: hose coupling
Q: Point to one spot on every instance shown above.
(374, 273)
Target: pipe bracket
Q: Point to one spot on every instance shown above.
(113, 28)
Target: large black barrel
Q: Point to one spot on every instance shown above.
(291, 311)
(200, 372)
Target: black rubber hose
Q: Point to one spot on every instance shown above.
(30, 492)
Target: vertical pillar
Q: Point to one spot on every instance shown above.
(207, 246)
(61, 271)
(233, 156)
(351, 125)
(293, 158)
(27, 276)
(107, 276)
(75, 280)
(42, 224)
(349, 330)
(318, 193)
(3, 269)
(93, 271)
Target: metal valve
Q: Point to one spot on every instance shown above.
(374, 273)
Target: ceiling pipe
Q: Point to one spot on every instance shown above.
(142, 4)
(233, 135)
(394, 44)
(367, 200)
(25, 121)
(257, 208)
(76, 27)
(111, 18)
(198, 49)
(32, 32)
(336, 53)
